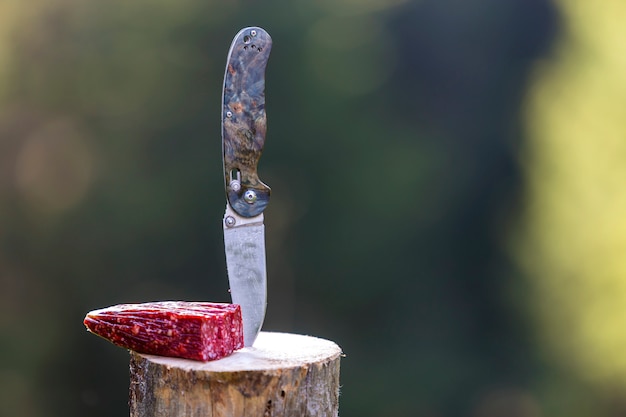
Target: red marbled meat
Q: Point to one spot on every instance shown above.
(191, 330)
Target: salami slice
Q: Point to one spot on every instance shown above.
(191, 330)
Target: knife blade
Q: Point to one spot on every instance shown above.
(243, 139)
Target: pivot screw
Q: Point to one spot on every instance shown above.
(249, 196)
(229, 221)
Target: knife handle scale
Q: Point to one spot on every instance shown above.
(244, 121)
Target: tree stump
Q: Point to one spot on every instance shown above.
(282, 375)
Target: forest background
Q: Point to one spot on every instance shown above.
(448, 194)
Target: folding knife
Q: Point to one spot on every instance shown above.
(243, 137)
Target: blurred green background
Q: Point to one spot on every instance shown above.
(449, 194)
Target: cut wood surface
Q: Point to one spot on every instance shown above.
(282, 375)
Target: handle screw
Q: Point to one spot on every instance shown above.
(229, 114)
(249, 196)
(253, 32)
(230, 221)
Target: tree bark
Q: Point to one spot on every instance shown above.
(282, 375)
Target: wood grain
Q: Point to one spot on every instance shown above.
(282, 375)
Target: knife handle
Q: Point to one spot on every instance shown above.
(244, 121)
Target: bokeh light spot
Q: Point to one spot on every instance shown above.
(575, 225)
(54, 167)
